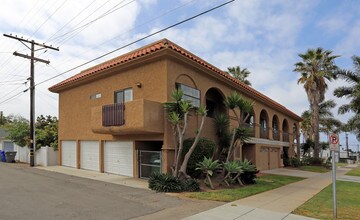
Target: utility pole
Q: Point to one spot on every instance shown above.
(347, 145)
(32, 59)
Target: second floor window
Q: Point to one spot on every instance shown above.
(190, 94)
(123, 96)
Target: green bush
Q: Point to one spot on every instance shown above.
(249, 172)
(204, 148)
(295, 162)
(191, 185)
(312, 161)
(164, 183)
(168, 183)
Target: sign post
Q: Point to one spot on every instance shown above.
(334, 146)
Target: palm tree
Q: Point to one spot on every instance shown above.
(240, 74)
(352, 93)
(317, 66)
(328, 123)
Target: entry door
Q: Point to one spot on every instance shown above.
(68, 153)
(264, 158)
(89, 155)
(118, 157)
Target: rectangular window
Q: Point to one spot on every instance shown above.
(190, 94)
(95, 96)
(123, 96)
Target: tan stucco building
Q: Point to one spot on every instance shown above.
(111, 116)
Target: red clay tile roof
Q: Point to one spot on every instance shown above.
(156, 46)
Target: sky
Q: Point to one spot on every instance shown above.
(263, 36)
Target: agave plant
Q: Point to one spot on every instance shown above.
(208, 166)
(233, 172)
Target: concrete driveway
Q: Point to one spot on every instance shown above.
(28, 193)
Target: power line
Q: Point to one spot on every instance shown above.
(138, 40)
(73, 18)
(81, 28)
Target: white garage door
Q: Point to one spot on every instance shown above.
(118, 157)
(68, 153)
(89, 155)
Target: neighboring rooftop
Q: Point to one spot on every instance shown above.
(157, 46)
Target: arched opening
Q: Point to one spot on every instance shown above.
(285, 129)
(264, 124)
(275, 128)
(214, 103)
(249, 122)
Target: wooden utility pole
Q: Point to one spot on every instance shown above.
(32, 59)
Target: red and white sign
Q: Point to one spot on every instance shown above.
(334, 142)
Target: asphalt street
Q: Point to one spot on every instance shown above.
(28, 193)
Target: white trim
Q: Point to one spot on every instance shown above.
(268, 142)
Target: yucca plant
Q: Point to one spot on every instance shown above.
(249, 172)
(208, 166)
(233, 172)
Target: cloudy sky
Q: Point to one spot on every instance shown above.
(263, 36)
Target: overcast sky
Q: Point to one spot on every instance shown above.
(263, 36)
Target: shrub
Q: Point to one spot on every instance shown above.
(204, 148)
(250, 171)
(313, 161)
(295, 162)
(164, 183)
(168, 183)
(191, 185)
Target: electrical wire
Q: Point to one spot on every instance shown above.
(138, 40)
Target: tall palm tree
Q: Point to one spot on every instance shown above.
(317, 66)
(240, 74)
(352, 93)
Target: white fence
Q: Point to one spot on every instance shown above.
(45, 156)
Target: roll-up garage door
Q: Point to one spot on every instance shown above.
(118, 157)
(89, 155)
(68, 153)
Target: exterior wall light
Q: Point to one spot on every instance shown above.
(138, 84)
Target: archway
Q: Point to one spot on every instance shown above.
(264, 124)
(275, 128)
(214, 102)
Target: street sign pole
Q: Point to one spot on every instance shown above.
(334, 146)
(334, 184)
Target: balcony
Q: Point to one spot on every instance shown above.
(250, 128)
(285, 137)
(113, 115)
(135, 117)
(264, 133)
(276, 135)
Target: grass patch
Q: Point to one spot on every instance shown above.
(320, 206)
(354, 172)
(264, 183)
(341, 164)
(316, 169)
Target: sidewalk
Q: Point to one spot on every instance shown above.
(275, 204)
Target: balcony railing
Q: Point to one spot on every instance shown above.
(276, 135)
(285, 137)
(250, 128)
(113, 114)
(264, 133)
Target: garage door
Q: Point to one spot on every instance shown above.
(118, 157)
(269, 158)
(68, 153)
(89, 155)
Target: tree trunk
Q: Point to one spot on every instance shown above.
(192, 148)
(315, 111)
